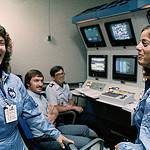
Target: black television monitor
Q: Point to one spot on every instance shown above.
(125, 68)
(121, 33)
(92, 36)
(97, 65)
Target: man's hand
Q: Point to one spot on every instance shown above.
(62, 139)
(77, 108)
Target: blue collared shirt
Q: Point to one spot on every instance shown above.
(142, 122)
(16, 93)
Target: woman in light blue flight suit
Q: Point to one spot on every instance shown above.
(15, 102)
(142, 112)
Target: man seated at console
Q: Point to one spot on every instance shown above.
(58, 92)
(80, 134)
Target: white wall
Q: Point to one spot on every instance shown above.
(27, 22)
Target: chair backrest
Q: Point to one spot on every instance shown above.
(62, 117)
(27, 134)
(31, 142)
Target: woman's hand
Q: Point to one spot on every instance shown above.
(62, 139)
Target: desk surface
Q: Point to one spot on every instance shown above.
(117, 118)
(129, 107)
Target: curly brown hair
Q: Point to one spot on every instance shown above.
(8, 44)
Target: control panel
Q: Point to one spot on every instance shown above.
(91, 89)
(95, 85)
(118, 97)
(111, 93)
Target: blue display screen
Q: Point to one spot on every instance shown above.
(125, 68)
(121, 31)
(98, 64)
(125, 65)
(92, 36)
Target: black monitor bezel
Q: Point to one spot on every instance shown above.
(93, 44)
(148, 16)
(128, 42)
(124, 77)
(97, 74)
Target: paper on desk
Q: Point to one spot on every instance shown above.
(130, 107)
(89, 92)
(92, 94)
(75, 92)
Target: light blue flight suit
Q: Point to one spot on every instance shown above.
(142, 122)
(14, 91)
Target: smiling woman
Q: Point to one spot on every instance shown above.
(15, 103)
(143, 48)
(141, 115)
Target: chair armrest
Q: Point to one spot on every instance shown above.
(92, 143)
(73, 113)
(89, 145)
(72, 147)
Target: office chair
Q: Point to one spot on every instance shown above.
(67, 117)
(62, 115)
(31, 142)
(33, 145)
(95, 144)
(27, 135)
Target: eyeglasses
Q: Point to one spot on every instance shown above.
(59, 74)
(144, 42)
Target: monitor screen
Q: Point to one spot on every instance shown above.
(98, 66)
(92, 36)
(121, 33)
(125, 67)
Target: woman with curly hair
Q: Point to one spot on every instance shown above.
(15, 103)
(142, 113)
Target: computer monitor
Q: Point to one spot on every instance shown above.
(97, 65)
(125, 68)
(92, 36)
(121, 33)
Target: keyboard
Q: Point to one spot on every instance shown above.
(89, 92)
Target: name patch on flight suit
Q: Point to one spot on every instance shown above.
(11, 92)
(10, 113)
